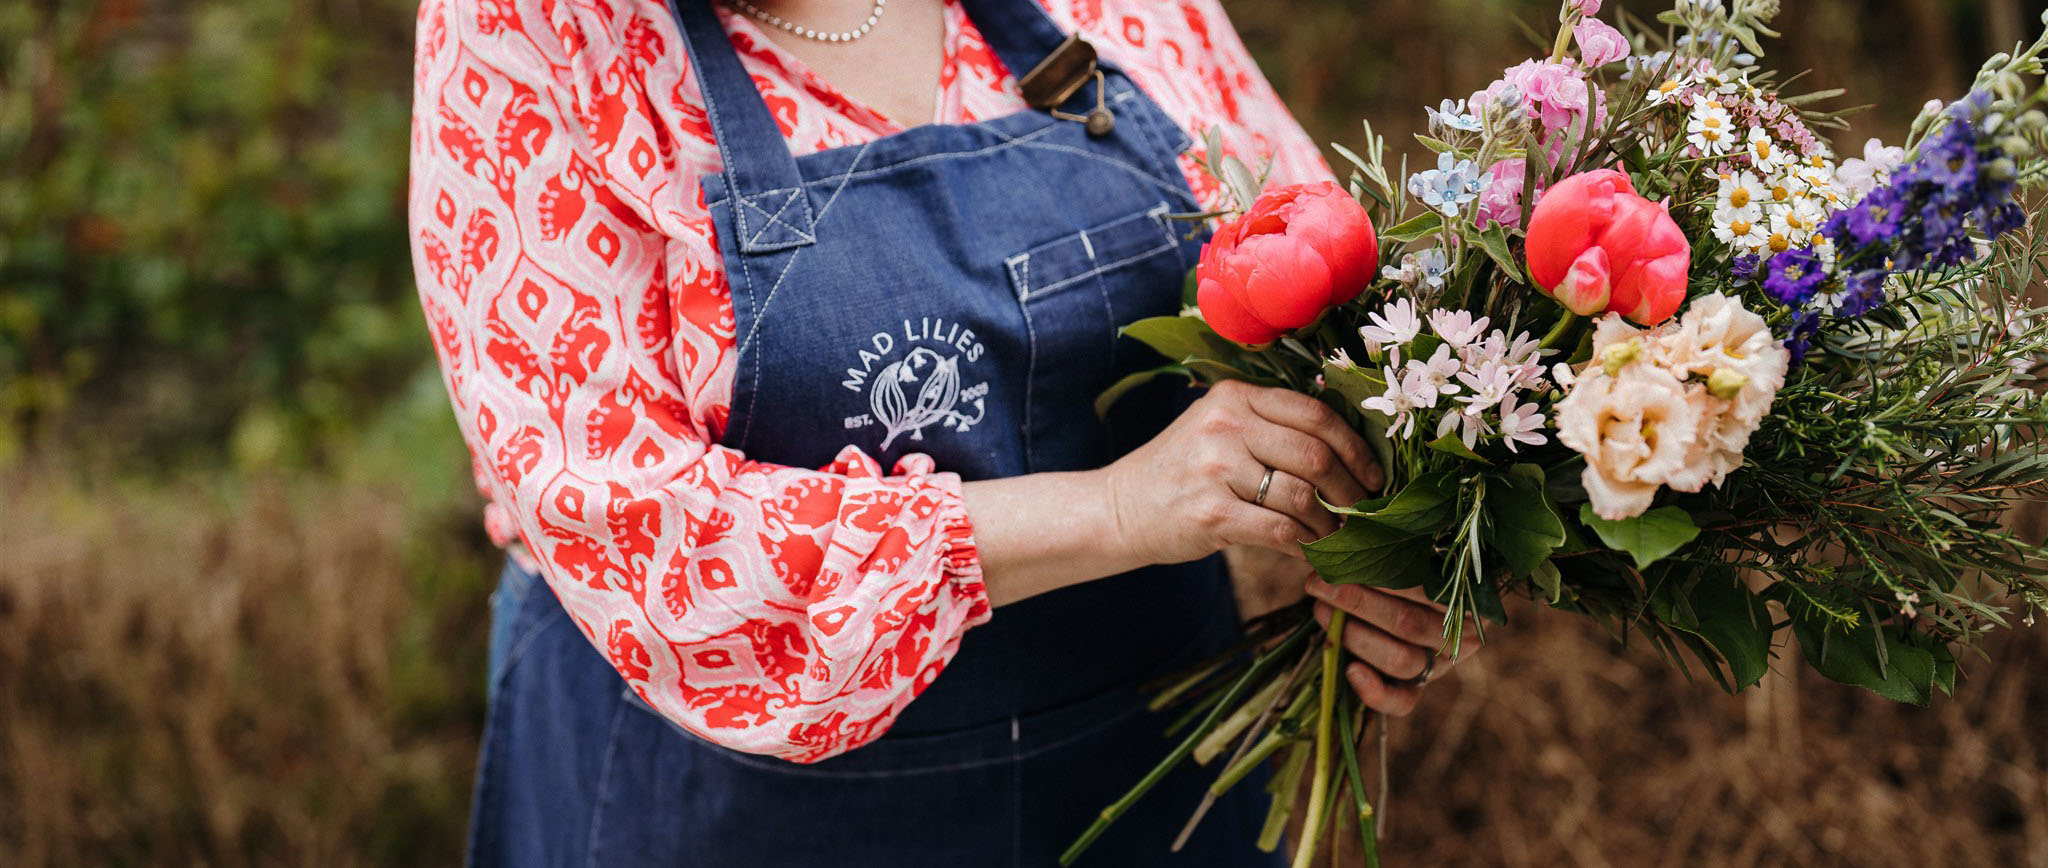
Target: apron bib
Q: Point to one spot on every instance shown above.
(953, 290)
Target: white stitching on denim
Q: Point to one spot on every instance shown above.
(1020, 274)
(1030, 372)
(844, 179)
(775, 219)
(1070, 280)
(1007, 142)
(747, 267)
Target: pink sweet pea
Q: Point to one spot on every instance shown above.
(1596, 246)
(1587, 8)
(1599, 44)
(1300, 250)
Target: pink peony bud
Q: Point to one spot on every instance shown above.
(1594, 245)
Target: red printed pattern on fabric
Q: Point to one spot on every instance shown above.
(573, 288)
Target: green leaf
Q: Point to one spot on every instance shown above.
(1449, 444)
(1424, 506)
(1426, 223)
(1133, 380)
(1365, 552)
(1521, 525)
(1495, 240)
(1180, 338)
(1868, 656)
(1188, 289)
(1211, 371)
(1354, 383)
(1243, 184)
(1438, 145)
(1549, 581)
(1735, 622)
(1648, 537)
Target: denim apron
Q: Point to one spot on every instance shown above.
(953, 290)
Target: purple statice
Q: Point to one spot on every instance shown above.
(1744, 268)
(1799, 337)
(1862, 292)
(1923, 217)
(1872, 220)
(1793, 276)
(1951, 163)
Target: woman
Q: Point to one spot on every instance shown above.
(672, 257)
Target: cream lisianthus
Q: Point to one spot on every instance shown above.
(1729, 354)
(1672, 406)
(1634, 422)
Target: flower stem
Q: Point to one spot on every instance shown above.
(1285, 785)
(1557, 332)
(1260, 667)
(1319, 787)
(1355, 782)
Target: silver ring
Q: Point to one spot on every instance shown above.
(1265, 485)
(1428, 668)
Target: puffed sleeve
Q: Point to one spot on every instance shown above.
(776, 610)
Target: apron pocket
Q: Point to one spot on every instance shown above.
(1075, 292)
(1070, 262)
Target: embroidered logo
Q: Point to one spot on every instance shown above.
(922, 387)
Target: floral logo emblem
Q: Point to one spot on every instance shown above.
(922, 387)
(937, 381)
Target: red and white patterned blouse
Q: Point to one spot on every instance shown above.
(574, 290)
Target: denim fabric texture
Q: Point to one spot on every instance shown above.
(954, 290)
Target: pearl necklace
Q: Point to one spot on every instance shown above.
(766, 17)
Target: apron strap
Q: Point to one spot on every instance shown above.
(771, 209)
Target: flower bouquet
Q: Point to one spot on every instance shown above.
(1647, 351)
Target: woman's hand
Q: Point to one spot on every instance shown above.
(1187, 494)
(1393, 636)
(1194, 489)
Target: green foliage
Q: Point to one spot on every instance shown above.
(1386, 542)
(1647, 538)
(1520, 523)
(202, 219)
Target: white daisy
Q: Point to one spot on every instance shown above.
(1669, 90)
(1710, 129)
(1764, 152)
(1740, 190)
(1742, 229)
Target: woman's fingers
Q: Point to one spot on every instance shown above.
(1380, 694)
(1306, 457)
(1383, 652)
(1238, 522)
(1288, 495)
(1303, 413)
(1403, 618)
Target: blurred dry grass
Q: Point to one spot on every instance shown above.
(1555, 747)
(266, 672)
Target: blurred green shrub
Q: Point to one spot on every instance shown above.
(202, 231)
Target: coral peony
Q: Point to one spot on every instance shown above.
(1300, 250)
(1594, 245)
